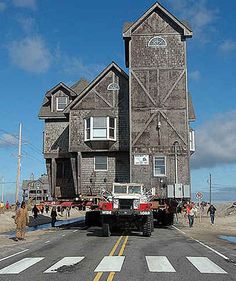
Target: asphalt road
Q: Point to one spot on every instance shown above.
(81, 255)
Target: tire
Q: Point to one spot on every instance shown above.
(106, 230)
(147, 227)
(92, 218)
(152, 223)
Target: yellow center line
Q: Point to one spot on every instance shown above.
(99, 274)
(112, 274)
(115, 246)
(123, 246)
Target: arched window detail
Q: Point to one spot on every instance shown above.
(113, 86)
(156, 42)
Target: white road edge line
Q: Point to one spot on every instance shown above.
(201, 243)
(47, 242)
(75, 230)
(14, 255)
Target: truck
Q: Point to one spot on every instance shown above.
(126, 208)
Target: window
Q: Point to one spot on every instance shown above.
(113, 86)
(61, 103)
(159, 166)
(157, 42)
(100, 128)
(100, 163)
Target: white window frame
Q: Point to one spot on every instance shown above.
(107, 129)
(57, 102)
(154, 160)
(95, 164)
(157, 46)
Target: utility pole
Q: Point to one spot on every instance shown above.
(210, 188)
(2, 188)
(18, 164)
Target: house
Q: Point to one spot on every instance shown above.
(121, 128)
(36, 190)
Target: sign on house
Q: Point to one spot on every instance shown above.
(141, 159)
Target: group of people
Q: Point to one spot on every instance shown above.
(4, 206)
(22, 218)
(191, 213)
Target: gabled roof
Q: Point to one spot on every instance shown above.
(94, 82)
(45, 111)
(187, 32)
(60, 85)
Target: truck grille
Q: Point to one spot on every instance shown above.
(126, 204)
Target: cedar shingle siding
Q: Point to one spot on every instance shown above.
(151, 116)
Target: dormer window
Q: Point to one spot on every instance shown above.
(100, 128)
(157, 42)
(61, 103)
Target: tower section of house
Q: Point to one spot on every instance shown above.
(160, 105)
(99, 132)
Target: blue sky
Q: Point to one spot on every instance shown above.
(45, 42)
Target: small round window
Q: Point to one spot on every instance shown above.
(157, 42)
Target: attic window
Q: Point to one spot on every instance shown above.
(61, 103)
(157, 42)
(113, 86)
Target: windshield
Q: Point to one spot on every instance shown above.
(120, 189)
(135, 189)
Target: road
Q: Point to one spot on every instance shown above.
(83, 254)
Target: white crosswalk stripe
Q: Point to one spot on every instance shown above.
(20, 266)
(110, 264)
(159, 264)
(204, 265)
(67, 261)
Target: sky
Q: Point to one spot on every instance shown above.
(46, 42)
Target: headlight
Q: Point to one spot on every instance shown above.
(115, 203)
(136, 203)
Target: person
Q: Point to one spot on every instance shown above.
(53, 216)
(35, 211)
(1, 207)
(212, 211)
(7, 205)
(21, 220)
(42, 210)
(47, 209)
(67, 212)
(17, 205)
(190, 211)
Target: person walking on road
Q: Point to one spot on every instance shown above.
(53, 216)
(190, 211)
(212, 211)
(35, 211)
(21, 220)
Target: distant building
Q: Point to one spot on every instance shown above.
(36, 190)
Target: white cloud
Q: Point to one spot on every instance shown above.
(195, 75)
(228, 46)
(25, 3)
(27, 23)
(7, 140)
(197, 12)
(75, 66)
(2, 6)
(30, 54)
(216, 142)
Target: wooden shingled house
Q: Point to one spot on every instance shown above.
(126, 128)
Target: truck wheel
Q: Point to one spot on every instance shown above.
(152, 223)
(106, 230)
(147, 227)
